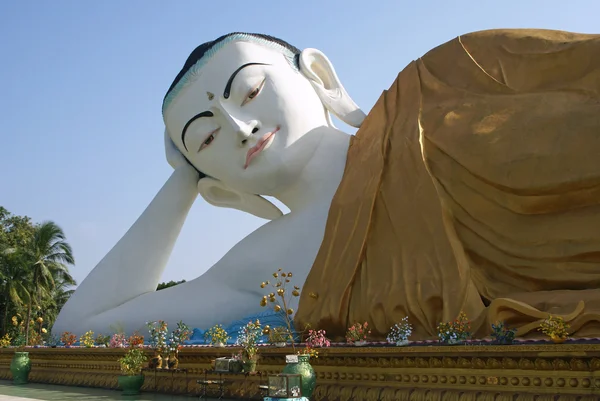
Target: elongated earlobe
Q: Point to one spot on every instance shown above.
(317, 68)
(218, 194)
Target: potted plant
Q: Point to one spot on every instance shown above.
(317, 339)
(178, 336)
(135, 340)
(20, 366)
(216, 336)
(455, 332)
(158, 340)
(300, 365)
(357, 334)
(556, 328)
(68, 339)
(278, 336)
(52, 341)
(102, 341)
(248, 340)
(118, 340)
(280, 300)
(131, 379)
(400, 332)
(87, 340)
(501, 334)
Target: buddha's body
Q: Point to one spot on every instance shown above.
(420, 216)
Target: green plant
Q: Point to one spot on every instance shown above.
(19, 340)
(555, 327)
(502, 334)
(216, 334)
(102, 340)
(52, 341)
(132, 362)
(278, 335)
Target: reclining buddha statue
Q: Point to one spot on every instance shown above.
(472, 185)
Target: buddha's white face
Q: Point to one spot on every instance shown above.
(258, 138)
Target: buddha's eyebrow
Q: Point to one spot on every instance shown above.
(227, 90)
(197, 116)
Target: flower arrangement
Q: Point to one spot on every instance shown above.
(248, 340)
(158, 335)
(135, 340)
(87, 340)
(178, 336)
(216, 335)
(118, 340)
(132, 362)
(281, 299)
(309, 351)
(318, 339)
(502, 334)
(102, 341)
(556, 328)
(357, 333)
(68, 338)
(456, 331)
(400, 332)
(315, 339)
(5, 341)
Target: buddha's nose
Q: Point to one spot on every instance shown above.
(246, 129)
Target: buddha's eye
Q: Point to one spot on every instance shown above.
(209, 139)
(254, 93)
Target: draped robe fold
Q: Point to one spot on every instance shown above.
(473, 185)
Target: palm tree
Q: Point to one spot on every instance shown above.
(49, 255)
(58, 298)
(14, 286)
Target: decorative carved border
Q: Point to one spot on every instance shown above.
(471, 372)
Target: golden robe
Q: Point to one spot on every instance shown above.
(473, 185)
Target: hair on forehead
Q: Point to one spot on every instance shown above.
(205, 51)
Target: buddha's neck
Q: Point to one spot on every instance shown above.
(321, 177)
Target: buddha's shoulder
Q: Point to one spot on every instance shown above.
(513, 41)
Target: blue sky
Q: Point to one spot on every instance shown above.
(82, 85)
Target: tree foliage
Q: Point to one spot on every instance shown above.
(35, 281)
(162, 286)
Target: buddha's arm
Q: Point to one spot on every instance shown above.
(135, 264)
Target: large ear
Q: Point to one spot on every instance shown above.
(317, 68)
(218, 194)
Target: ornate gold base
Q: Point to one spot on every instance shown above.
(470, 372)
